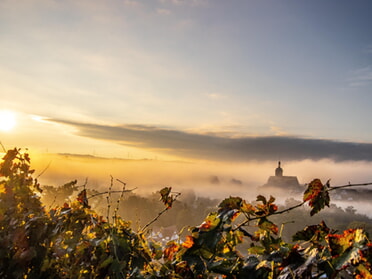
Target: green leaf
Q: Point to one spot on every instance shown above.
(165, 191)
(262, 199)
(315, 233)
(234, 238)
(266, 225)
(256, 250)
(271, 200)
(247, 208)
(210, 223)
(223, 266)
(230, 203)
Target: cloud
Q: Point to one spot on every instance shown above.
(210, 147)
(215, 96)
(361, 77)
(163, 11)
(132, 3)
(184, 2)
(369, 49)
(277, 131)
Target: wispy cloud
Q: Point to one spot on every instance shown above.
(216, 96)
(210, 147)
(369, 49)
(132, 3)
(184, 2)
(361, 77)
(163, 11)
(278, 131)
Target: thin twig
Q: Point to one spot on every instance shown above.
(44, 170)
(156, 218)
(50, 206)
(301, 204)
(121, 182)
(348, 186)
(118, 200)
(162, 212)
(108, 199)
(3, 147)
(274, 213)
(106, 192)
(85, 183)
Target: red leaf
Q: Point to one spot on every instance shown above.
(82, 198)
(317, 196)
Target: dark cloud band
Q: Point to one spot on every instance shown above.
(223, 148)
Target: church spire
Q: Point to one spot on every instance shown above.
(279, 170)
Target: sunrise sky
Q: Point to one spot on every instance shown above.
(233, 86)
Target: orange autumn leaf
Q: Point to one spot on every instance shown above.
(317, 196)
(205, 225)
(235, 215)
(2, 189)
(189, 242)
(315, 187)
(211, 222)
(171, 250)
(273, 208)
(247, 208)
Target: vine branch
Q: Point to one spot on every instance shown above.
(106, 192)
(349, 186)
(161, 212)
(275, 213)
(331, 188)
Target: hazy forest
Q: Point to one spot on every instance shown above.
(72, 231)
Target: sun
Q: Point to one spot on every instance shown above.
(7, 120)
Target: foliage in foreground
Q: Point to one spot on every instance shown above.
(73, 241)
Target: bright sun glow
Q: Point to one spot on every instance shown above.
(7, 120)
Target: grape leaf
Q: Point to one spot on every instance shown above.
(230, 203)
(247, 208)
(261, 198)
(170, 250)
(346, 248)
(314, 233)
(82, 198)
(166, 196)
(211, 222)
(189, 242)
(267, 225)
(6, 165)
(317, 196)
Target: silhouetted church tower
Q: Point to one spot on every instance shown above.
(279, 170)
(280, 182)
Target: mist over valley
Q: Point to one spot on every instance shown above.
(209, 179)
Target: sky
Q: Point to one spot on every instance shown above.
(230, 87)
